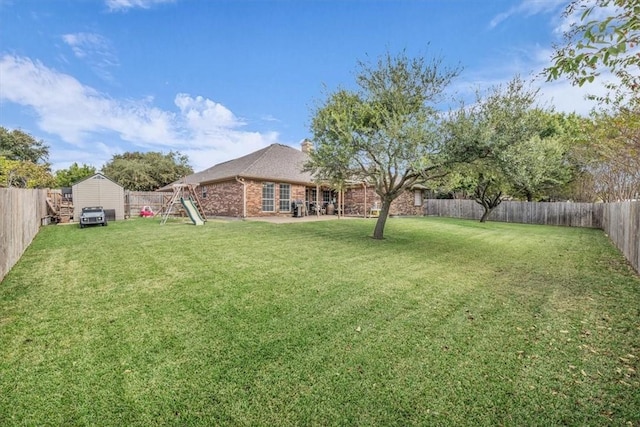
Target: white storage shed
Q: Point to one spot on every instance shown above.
(98, 190)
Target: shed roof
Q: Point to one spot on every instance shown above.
(276, 162)
(93, 176)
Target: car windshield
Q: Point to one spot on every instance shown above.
(92, 210)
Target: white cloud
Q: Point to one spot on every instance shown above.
(529, 64)
(528, 8)
(567, 98)
(205, 130)
(117, 5)
(270, 118)
(96, 50)
(81, 43)
(205, 115)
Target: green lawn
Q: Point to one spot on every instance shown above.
(445, 322)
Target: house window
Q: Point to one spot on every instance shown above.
(285, 198)
(326, 196)
(204, 192)
(268, 197)
(312, 194)
(417, 197)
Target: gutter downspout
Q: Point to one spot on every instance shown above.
(244, 196)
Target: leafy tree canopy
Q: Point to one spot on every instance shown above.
(609, 156)
(19, 145)
(147, 171)
(606, 36)
(75, 173)
(24, 174)
(23, 161)
(386, 131)
(513, 147)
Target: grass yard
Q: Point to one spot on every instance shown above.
(445, 322)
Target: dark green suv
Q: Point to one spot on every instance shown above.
(93, 215)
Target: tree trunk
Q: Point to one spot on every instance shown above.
(485, 215)
(378, 233)
(487, 200)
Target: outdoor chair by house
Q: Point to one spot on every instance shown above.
(315, 209)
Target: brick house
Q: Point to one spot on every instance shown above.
(271, 181)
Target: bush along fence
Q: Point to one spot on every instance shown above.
(21, 214)
(620, 221)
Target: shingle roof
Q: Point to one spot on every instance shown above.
(276, 162)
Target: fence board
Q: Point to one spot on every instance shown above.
(21, 213)
(134, 201)
(621, 222)
(567, 214)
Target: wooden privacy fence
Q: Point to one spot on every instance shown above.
(568, 214)
(21, 213)
(136, 200)
(621, 221)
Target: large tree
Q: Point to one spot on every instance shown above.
(512, 145)
(609, 156)
(19, 145)
(386, 131)
(605, 36)
(74, 173)
(539, 167)
(147, 171)
(23, 160)
(24, 174)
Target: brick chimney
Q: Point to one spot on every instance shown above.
(306, 146)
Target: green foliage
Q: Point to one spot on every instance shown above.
(147, 171)
(19, 145)
(333, 158)
(536, 167)
(386, 132)
(610, 41)
(609, 155)
(23, 161)
(513, 147)
(24, 174)
(448, 323)
(75, 173)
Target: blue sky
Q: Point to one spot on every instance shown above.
(216, 79)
